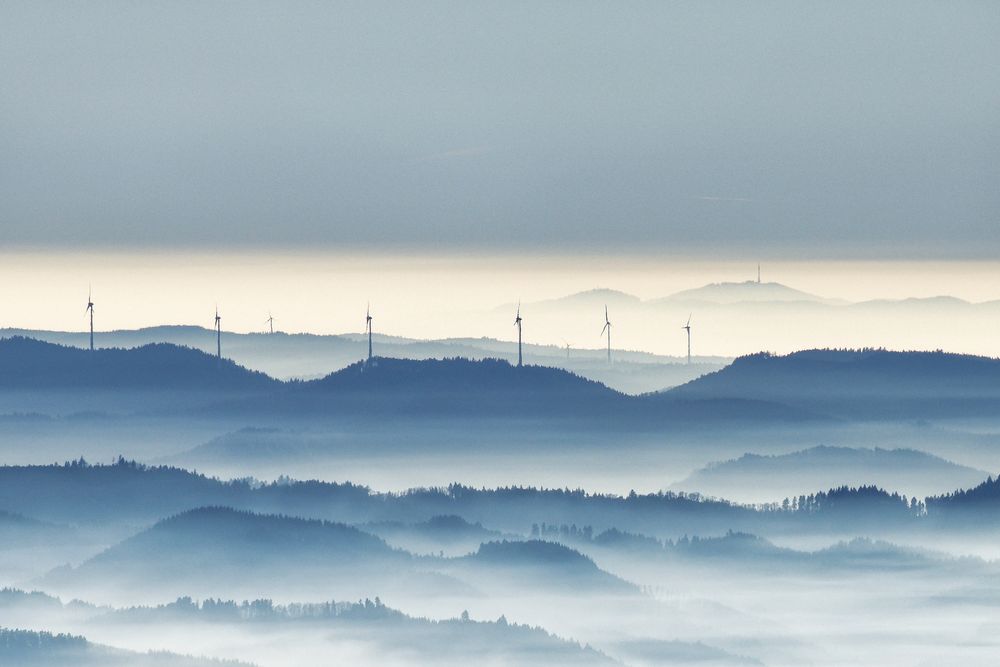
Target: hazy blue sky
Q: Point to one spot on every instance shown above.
(772, 128)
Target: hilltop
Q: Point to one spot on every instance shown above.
(730, 293)
(34, 364)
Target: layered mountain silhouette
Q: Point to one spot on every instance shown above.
(127, 493)
(310, 356)
(303, 628)
(217, 550)
(426, 388)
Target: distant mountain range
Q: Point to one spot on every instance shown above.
(760, 388)
(731, 293)
(749, 291)
(739, 318)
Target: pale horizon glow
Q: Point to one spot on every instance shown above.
(426, 296)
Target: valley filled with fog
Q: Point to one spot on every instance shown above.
(161, 506)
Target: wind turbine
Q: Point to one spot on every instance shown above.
(270, 320)
(90, 309)
(687, 327)
(218, 334)
(368, 328)
(517, 323)
(758, 273)
(567, 346)
(607, 327)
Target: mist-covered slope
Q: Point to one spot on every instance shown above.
(44, 649)
(449, 534)
(763, 478)
(213, 540)
(310, 633)
(538, 564)
(126, 494)
(222, 551)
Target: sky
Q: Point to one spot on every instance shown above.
(444, 159)
(783, 131)
(444, 296)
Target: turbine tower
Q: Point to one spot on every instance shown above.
(758, 273)
(270, 320)
(607, 327)
(517, 323)
(368, 328)
(687, 327)
(218, 334)
(90, 309)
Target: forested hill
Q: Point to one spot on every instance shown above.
(455, 387)
(381, 387)
(872, 381)
(32, 364)
(126, 492)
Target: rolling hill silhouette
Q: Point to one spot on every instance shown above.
(727, 293)
(763, 478)
(222, 551)
(234, 538)
(491, 387)
(459, 387)
(455, 387)
(308, 356)
(33, 364)
(867, 383)
(542, 564)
